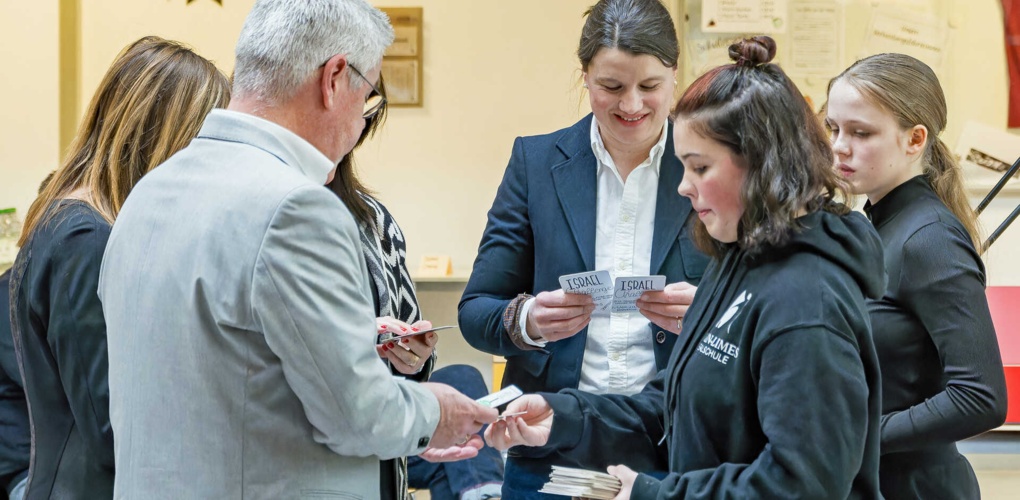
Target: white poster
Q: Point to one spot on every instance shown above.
(743, 16)
(893, 30)
(815, 42)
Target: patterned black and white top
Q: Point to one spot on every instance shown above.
(393, 292)
(385, 253)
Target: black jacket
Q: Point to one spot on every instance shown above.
(15, 436)
(542, 225)
(773, 390)
(60, 335)
(942, 378)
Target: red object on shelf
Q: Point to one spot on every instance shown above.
(1004, 303)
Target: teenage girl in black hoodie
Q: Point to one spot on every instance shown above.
(773, 388)
(942, 377)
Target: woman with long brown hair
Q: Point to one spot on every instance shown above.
(942, 378)
(149, 105)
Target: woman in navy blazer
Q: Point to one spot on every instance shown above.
(599, 195)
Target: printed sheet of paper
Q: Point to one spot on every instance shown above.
(815, 45)
(598, 284)
(741, 16)
(627, 289)
(920, 36)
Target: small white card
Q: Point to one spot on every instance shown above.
(620, 298)
(501, 397)
(629, 288)
(511, 414)
(598, 284)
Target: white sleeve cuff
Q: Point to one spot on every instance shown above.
(524, 325)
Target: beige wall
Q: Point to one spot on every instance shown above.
(28, 98)
(493, 71)
(107, 26)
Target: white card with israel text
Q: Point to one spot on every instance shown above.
(629, 288)
(598, 284)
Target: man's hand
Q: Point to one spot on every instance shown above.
(668, 307)
(530, 429)
(557, 315)
(460, 416)
(455, 452)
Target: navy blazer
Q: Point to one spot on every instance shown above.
(542, 226)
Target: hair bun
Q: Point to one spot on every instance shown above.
(752, 52)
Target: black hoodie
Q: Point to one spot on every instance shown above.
(773, 388)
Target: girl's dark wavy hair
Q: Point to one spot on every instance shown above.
(755, 110)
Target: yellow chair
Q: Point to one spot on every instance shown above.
(498, 366)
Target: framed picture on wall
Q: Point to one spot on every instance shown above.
(402, 63)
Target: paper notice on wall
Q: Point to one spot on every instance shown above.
(815, 46)
(985, 153)
(705, 52)
(743, 16)
(922, 36)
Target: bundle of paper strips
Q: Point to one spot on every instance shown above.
(581, 483)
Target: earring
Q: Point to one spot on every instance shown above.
(674, 82)
(585, 85)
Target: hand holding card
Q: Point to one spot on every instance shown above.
(527, 421)
(388, 337)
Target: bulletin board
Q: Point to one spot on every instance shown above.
(817, 39)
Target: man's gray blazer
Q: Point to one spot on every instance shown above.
(241, 330)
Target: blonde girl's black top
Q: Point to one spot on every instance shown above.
(942, 378)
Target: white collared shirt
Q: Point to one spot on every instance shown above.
(310, 161)
(619, 355)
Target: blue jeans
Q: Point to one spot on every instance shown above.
(449, 480)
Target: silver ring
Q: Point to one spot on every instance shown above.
(679, 323)
(465, 440)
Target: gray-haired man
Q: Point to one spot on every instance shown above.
(240, 324)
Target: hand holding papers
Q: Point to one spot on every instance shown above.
(526, 421)
(668, 307)
(581, 483)
(469, 444)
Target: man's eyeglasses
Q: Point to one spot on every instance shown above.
(375, 101)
